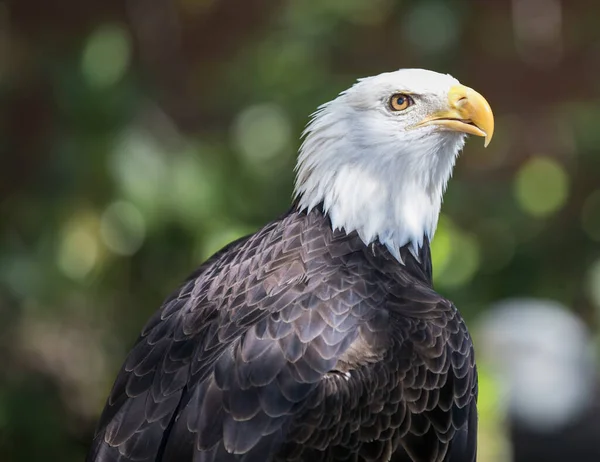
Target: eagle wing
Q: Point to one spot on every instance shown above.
(416, 403)
(439, 389)
(221, 367)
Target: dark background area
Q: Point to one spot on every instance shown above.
(136, 138)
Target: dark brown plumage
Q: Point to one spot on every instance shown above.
(298, 343)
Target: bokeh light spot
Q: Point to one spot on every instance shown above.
(261, 132)
(456, 258)
(491, 408)
(122, 228)
(541, 186)
(141, 171)
(195, 185)
(106, 56)
(441, 246)
(78, 249)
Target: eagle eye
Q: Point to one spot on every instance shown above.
(400, 101)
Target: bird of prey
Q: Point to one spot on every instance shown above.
(320, 337)
(543, 357)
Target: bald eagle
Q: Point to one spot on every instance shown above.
(320, 337)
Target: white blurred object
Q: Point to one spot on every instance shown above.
(543, 357)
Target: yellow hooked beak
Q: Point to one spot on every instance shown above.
(467, 112)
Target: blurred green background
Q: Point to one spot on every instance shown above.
(136, 138)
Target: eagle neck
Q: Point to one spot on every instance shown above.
(395, 202)
(419, 265)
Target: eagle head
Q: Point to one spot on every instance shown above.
(379, 156)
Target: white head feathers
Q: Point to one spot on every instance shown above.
(373, 170)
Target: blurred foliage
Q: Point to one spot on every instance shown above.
(140, 137)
